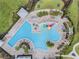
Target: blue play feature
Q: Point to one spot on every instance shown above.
(38, 39)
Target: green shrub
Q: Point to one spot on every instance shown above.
(67, 49)
(49, 44)
(55, 13)
(42, 13)
(17, 48)
(26, 50)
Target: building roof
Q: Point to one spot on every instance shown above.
(22, 13)
(24, 57)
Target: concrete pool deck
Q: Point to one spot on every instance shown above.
(18, 25)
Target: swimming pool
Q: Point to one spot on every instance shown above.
(38, 39)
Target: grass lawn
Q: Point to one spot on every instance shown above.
(67, 58)
(49, 4)
(76, 38)
(7, 8)
(73, 13)
(77, 49)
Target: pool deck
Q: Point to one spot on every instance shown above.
(35, 53)
(10, 34)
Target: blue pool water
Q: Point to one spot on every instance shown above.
(38, 39)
